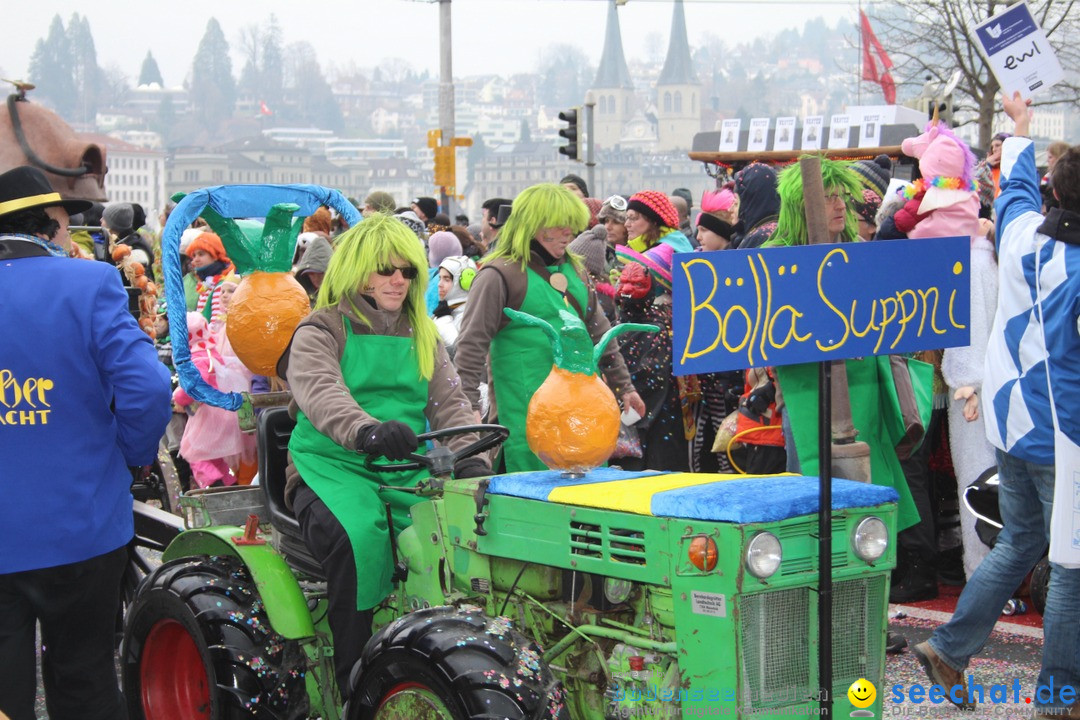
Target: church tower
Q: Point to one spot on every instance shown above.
(613, 88)
(678, 92)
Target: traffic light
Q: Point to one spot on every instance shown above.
(572, 148)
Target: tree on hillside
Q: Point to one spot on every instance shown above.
(932, 39)
(87, 76)
(51, 68)
(114, 87)
(263, 75)
(165, 120)
(313, 101)
(212, 89)
(149, 73)
(565, 74)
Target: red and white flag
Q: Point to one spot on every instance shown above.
(875, 62)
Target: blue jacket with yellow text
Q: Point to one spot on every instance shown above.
(82, 397)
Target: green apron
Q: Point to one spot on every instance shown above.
(875, 413)
(382, 375)
(521, 359)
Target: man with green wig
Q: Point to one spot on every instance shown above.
(531, 271)
(842, 185)
(367, 372)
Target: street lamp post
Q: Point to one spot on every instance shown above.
(446, 92)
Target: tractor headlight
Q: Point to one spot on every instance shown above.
(870, 539)
(763, 555)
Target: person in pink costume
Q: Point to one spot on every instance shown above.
(944, 202)
(212, 435)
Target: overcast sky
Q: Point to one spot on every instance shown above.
(490, 36)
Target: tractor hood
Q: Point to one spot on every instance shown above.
(690, 496)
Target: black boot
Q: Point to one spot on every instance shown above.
(914, 580)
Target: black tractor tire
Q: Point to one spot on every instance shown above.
(449, 662)
(1040, 584)
(198, 644)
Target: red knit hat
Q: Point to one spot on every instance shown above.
(655, 206)
(594, 205)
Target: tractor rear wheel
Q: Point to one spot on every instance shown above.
(450, 663)
(198, 645)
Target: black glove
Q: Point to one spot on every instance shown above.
(472, 467)
(393, 439)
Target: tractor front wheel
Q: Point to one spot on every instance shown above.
(450, 663)
(198, 646)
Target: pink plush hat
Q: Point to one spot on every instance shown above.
(655, 206)
(717, 200)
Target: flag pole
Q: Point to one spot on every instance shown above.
(858, 71)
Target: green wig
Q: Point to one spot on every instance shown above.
(534, 209)
(836, 175)
(360, 251)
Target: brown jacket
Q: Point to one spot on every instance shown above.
(312, 366)
(501, 284)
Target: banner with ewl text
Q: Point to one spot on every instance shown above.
(735, 309)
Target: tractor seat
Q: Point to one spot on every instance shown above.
(275, 428)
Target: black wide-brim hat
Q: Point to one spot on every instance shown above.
(27, 187)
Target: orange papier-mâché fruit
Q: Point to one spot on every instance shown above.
(572, 423)
(263, 313)
(268, 303)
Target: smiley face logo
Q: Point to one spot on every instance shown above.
(862, 693)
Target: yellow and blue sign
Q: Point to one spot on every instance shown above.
(734, 309)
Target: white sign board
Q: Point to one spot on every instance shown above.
(870, 130)
(707, 603)
(784, 139)
(811, 132)
(759, 134)
(729, 135)
(1018, 52)
(839, 129)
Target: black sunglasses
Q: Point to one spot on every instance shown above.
(408, 272)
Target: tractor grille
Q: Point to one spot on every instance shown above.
(857, 604)
(607, 543)
(775, 657)
(773, 627)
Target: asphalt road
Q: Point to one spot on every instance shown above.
(1012, 653)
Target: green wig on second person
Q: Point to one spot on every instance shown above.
(537, 208)
(372, 244)
(836, 176)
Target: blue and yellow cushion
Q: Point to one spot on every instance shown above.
(692, 496)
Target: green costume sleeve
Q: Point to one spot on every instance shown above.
(875, 413)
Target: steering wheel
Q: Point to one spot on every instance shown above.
(440, 460)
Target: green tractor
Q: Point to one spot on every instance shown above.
(528, 595)
(599, 594)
